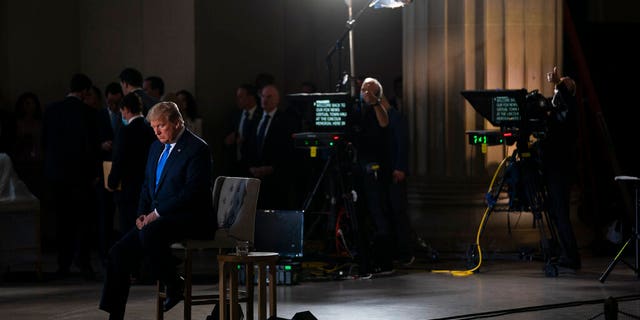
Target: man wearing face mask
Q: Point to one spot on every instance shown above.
(130, 151)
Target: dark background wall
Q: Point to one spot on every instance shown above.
(209, 47)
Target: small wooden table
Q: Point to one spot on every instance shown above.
(228, 270)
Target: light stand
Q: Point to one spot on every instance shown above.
(351, 22)
(634, 234)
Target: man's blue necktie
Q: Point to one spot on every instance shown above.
(245, 125)
(116, 123)
(263, 128)
(163, 159)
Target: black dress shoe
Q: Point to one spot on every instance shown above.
(175, 294)
(116, 316)
(172, 301)
(113, 315)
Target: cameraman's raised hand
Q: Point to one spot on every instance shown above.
(553, 77)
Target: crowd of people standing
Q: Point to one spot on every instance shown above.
(70, 139)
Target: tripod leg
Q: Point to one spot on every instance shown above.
(307, 201)
(613, 263)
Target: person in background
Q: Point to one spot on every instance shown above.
(189, 109)
(243, 130)
(107, 210)
(7, 127)
(154, 86)
(131, 81)
(130, 152)
(71, 165)
(271, 152)
(171, 96)
(373, 178)
(113, 95)
(262, 79)
(27, 151)
(175, 203)
(558, 154)
(104, 203)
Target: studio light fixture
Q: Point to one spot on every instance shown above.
(375, 4)
(389, 4)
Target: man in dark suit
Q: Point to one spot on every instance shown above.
(130, 152)
(273, 151)
(131, 81)
(154, 86)
(109, 124)
(175, 203)
(71, 168)
(243, 131)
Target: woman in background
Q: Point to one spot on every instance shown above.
(189, 109)
(27, 152)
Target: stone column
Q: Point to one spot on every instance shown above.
(455, 45)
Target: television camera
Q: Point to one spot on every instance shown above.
(520, 115)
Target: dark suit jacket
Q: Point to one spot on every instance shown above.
(130, 152)
(239, 167)
(70, 142)
(278, 142)
(278, 152)
(105, 132)
(184, 191)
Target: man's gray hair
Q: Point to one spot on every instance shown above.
(377, 83)
(166, 110)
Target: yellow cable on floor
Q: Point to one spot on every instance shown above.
(464, 273)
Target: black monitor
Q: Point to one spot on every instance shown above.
(502, 107)
(321, 112)
(280, 231)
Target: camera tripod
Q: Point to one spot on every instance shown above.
(634, 235)
(520, 176)
(341, 200)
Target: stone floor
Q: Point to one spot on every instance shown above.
(504, 287)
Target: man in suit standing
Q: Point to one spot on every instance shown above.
(131, 81)
(113, 96)
(240, 136)
(130, 152)
(71, 168)
(110, 122)
(273, 152)
(175, 203)
(154, 86)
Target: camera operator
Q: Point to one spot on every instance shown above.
(558, 157)
(372, 178)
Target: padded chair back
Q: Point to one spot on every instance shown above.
(235, 200)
